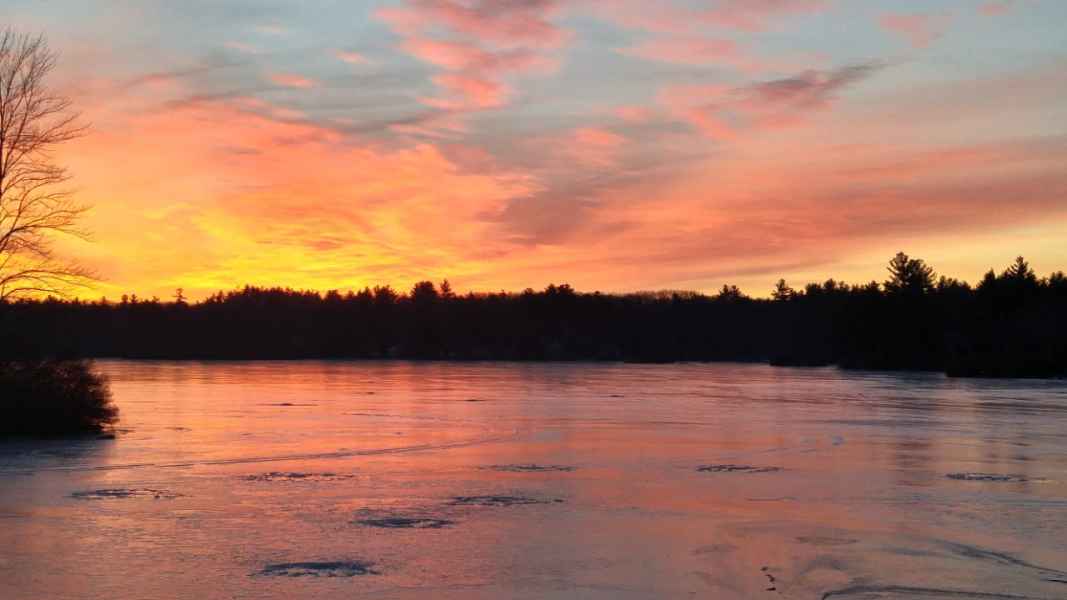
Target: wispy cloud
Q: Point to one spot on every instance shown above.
(919, 29)
(479, 46)
(271, 29)
(634, 114)
(755, 15)
(350, 57)
(694, 51)
(996, 8)
(243, 47)
(594, 146)
(674, 17)
(502, 22)
(724, 112)
(292, 80)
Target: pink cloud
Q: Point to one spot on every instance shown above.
(996, 8)
(919, 29)
(700, 105)
(716, 52)
(448, 54)
(352, 58)
(742, 15)
(595, 146)
(503, 22)
(754, 15)
(293, 81)
(469, 91)
(474, 78)
(442, 125)
(634, 114)
(466, 56)
(479, 45)
(704, 52)
(687, 51)
(723, 112)
(243, 47)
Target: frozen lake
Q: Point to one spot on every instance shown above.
(332, 480)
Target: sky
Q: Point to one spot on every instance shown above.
(617, 145)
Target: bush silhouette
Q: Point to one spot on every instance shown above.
(54, 398)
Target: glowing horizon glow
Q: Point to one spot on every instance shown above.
(609, 144)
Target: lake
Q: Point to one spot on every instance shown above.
(332, 480)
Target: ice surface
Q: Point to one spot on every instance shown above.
(340, 480)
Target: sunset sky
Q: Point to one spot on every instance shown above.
(613, 144)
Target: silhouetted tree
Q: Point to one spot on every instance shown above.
(782, 292)
(1020, 276)
(909, 275)
(730, 293)
(1020, 271)
(1058, 282)
(446, 290)
(423, 293)
(34, 205)
(384, 296)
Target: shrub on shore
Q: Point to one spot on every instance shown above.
(50, 398)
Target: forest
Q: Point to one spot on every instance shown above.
(1010, 324)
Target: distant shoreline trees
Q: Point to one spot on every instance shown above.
(1012, 324)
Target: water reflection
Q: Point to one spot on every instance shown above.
(554, 480)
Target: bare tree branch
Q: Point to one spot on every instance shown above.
(34, 205)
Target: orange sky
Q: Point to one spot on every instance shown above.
(614, 146)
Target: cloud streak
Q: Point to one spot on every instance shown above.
(919, 29)
(747, 16)
(291, 80)
(724, 112)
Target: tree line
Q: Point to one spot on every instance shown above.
(1010, 324)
